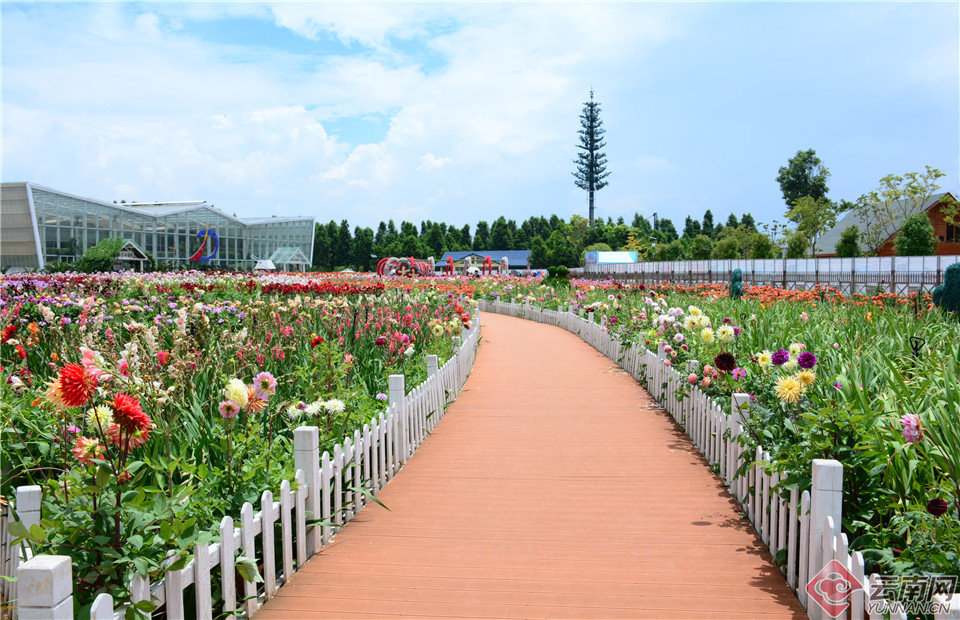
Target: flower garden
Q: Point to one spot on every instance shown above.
(149, 406)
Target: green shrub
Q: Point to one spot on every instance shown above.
(916, 237)
(101, 256)
(947, 295)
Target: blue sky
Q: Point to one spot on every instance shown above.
(461, 112)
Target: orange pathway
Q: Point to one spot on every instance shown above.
(553, 488)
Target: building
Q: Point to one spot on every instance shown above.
(948, 235)
(516, 259)
(39, 225)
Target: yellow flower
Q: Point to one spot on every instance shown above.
(690, 322)
(790, 365)
(694, 311)
(707, 334)
(101, 414)
(765, 358)
(237, 391)
(789, 389)
(807, 377)
(796, 349)
(869, 317)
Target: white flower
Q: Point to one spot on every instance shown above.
(690, 322)
(703, 321)
(408, 351)
(725, 333)
(237, 391)
(678, 337)
(694, 311)
(315, 407)
(293, 412)
(335, 405)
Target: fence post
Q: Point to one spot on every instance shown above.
(397, 395)
(826, 500)
(306, 457)
(28, 505)
(740, 408)
(45, 588)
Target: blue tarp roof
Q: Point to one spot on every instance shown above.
(517, 258)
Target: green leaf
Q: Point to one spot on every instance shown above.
(145, 606)
(247, 569)
(103, 476)
(136, 541)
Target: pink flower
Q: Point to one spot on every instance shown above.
(228, 409)
(264, 385)
(738, 373)
(667, 363)
(163, 357)
(124, 368)
(707, 370)
(804, 316)
(912, 431)
(692, 379)
(706, 382)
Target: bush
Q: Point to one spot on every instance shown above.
(916, 237)
(947, 295)
(101, 256)
(736, 284)
(849, 244)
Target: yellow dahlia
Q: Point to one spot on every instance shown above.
(807, 377)
(789, 389)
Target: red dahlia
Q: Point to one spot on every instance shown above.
(128, 414)
(76, 386)
(9, 332)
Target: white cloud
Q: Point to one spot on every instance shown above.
(429, 161)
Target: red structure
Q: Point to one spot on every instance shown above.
(408, 267)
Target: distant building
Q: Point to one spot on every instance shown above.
(39, 225)
(516, 259)
(948, 235)
(610, 258)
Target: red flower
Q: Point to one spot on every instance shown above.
(316, 341)
(9, 332)
(76, 386)
(128, 414)
(21, 353)
(163, 357)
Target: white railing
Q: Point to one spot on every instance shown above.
(326, 488)
(805, 526)
(897, 274)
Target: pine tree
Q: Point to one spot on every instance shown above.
(591, 161)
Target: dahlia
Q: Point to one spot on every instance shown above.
(54, 394)
(937, 507)
(780, 357)
(335, 405)
(725, 333)
(807, 377)
(707, 334)
(87, 450)
(228, 409)
(133, 440)
(789, 389)
(128, 415)
(100, 417)
(764, 358)
(76, 386)
(237, 391)
(725, 361)
(264, 385)
(807, 360)
(254, 404)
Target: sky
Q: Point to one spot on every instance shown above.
(460, 112)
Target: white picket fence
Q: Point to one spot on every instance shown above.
(806, 525)
(326, 490)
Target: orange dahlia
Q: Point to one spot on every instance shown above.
(128, 414)
(76, 386)
(133, 440)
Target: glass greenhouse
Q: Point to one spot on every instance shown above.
(39, 225)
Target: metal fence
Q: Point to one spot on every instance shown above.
(898, 274)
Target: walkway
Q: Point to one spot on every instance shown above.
(551, 489)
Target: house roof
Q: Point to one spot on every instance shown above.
(827, 242)
(514, 257)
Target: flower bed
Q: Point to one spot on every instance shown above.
(148, 407)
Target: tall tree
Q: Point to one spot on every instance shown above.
(591, 160)
(501, 237)
(708, 227)
(804, 175)
(813, 217)
(849, 244)
(465, 239)
(732, 221)
(362, 248)
(748, 221)
(883, 210)
(321, 247)
(481, 240)
(344, 249)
